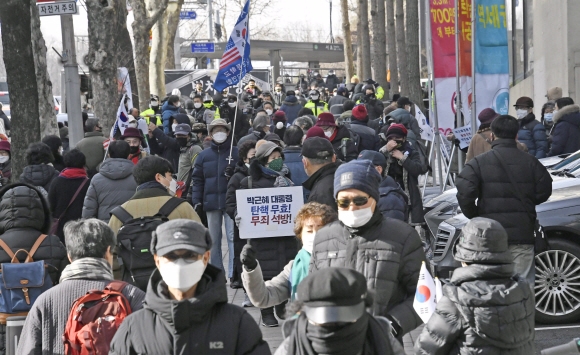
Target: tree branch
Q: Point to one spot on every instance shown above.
(157, 14)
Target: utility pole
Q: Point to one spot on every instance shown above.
(331, 35)
(210, 29)
(72, 81)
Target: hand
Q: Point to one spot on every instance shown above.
(229, 172)
(238, 220)
(391, 145)
(397, 154)
(451, 137)
(248, 257)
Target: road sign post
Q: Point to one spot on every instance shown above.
(207, 47)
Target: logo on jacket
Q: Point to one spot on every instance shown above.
(215, 345)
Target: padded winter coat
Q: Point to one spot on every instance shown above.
(485, 310)
(61, 192)
(369, 140)
(24, 216)
(351, 148)
(393, 202)
(566, 131)
(405, 118)
(168, 111)
(533, 134)
(209, 181)
(111, 187)
(40, 175)
(387, 252)
(321, 186)
(291, 107)
(484, 179)
(165, 145)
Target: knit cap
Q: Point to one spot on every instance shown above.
(360, 175)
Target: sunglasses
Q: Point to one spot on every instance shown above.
(357, 201)
(188, 255)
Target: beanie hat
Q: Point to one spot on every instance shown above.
(5, 145)
(132, 133)
(279, 116)
(360, 175)
(326, 119)
(483, 241)
(487, 116)
(359, 112)
(554, 93)
(260, 122)
(315, 132)
(397, 129)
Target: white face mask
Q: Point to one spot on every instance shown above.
(3, 159)
(172, 186)
(308, 241)
(280, 125)
(180, 274)
(177, 104)
(548, 117)
(314, 97)
(133, 124)
(521, 113)
(173, 127)
(247, 165)
(232, 104)
(197, 104)
(328, 133)
(220, 137)
(357, 218)
(269, 112)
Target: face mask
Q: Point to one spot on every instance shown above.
(548, 117)
(280, 125)
(269, 112)
(247, 165)
(314, 97)
(3, 159)
(232, 104)
(172, 185)
(220, 137)
(333, 94)
(356, 218)
(180, 274)
(197, 104)
(308, 241)
(173, 127)
(182, 141)
(133, 125)
(154, 104)
(60, 150)
(276, 164)
(521, 113)
(328, 133)
(133, 150)
(177, 104)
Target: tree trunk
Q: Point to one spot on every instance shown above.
(413, 59)
(172, 29)
(379, 44)
(348, 60)
(359, 51)
(363, 11)
(141, 27)
(125, 50)
(101, 59)
(401, 46)
(16, 24)
(46, 112)
(158, 54)
(392, 46)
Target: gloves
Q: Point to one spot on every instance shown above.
(248, 257)
(229, 172)
(395, 327)
(238, 219)
(198, 208)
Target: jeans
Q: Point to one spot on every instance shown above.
(214, 223)
(524, 262)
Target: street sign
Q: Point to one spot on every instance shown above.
(328, 47)
(59, 8)
(208, 47)
(187, 15)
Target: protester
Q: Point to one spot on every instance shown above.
(340, 137)
(320, 165)
(315, 103)
(291, 106)
(89, 248)
(485, 308)
(24, 217)
(508, 193)
(268, 106)
(402, 114)
(56, 149)
(260, 127)
(532, 133)
(63, 131)
(242, 124)
(369, 140)
(481, 141)
(279, 123)
(187, 303)
(135, 139)
(293, 154)
(346, 116)
(310, 218)
(547, 117)
(253, 88)
(267, 170)
(340, 98)
(364, 234)
(279, 95)
(566, 130)
(168, 110)
(304, 122)
(210, 185)
(374, 107)
(92, 145)
(332, 319)
(166, 145)
(112, 186)
(5, 163)
(67, 192)
(189, 149)
(274, 138)
(39, 172)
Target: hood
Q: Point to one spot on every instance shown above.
(290, 100)
(570, 112)
(401, 115)
(22, 206)
(241, 168)
(167, 106)
(346, 114)
(181, 315)
(38, 175)
(491, 300)
(181, 118)
(116, 168)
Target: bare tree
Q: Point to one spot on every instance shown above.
(348, 57)
(363, 15)
(172, 29)
(263, 24)
(401, 46)
(392, 46)
(413, 59)
(359, 45)
(145, 18)
(158, 55)
(379, 44)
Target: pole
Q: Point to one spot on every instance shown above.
(72, 81)
(331, 36)
(473, 101)
(458, 98)
(210, 29)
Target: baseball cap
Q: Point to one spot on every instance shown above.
(180, 234)
(182, 129)
(377, 158)
(317, 148)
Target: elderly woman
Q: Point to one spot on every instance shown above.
(311, 217)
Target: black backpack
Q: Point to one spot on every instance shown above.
(134, 241)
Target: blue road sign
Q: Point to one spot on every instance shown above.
(208, 47)
(187, 15)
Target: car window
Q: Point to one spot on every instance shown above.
(5, 98)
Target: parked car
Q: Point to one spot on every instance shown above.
(5, 101)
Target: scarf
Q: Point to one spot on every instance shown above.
(299, 271)
(87, 269)
(151, 185)
(281, 179)
(73, 173)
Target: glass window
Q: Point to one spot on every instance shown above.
(529, 37)
(5, 99)
(518, 41)
(520, 37)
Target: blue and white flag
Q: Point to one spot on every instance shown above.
(122, 120)
(235, 62)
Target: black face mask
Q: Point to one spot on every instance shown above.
(182, 141)
(134, 149)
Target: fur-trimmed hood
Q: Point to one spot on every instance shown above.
(566, 111)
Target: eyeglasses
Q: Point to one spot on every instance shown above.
(188, 255)
(358, 201)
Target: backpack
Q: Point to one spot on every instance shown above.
(94, 319)
(134, 241)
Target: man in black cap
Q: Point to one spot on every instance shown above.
(187, 309)
(333, 319)
(532, 132)
(340, 98)
(320, 164)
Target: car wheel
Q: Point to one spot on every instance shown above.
(557, 283)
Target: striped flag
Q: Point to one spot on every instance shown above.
(424, 302)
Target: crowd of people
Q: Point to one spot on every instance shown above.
(153, 207)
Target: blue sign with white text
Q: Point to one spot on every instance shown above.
(208, 47)
(187, 15)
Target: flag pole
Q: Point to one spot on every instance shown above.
(473, 101)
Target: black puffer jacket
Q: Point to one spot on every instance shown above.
(24, 216)
(165, 145)
(40, 175)
(350, 145)
(204, 324)
(273, 253)
(321, 186)
(387, 252)
(483, 179)
(484, 311)
(369, 140)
